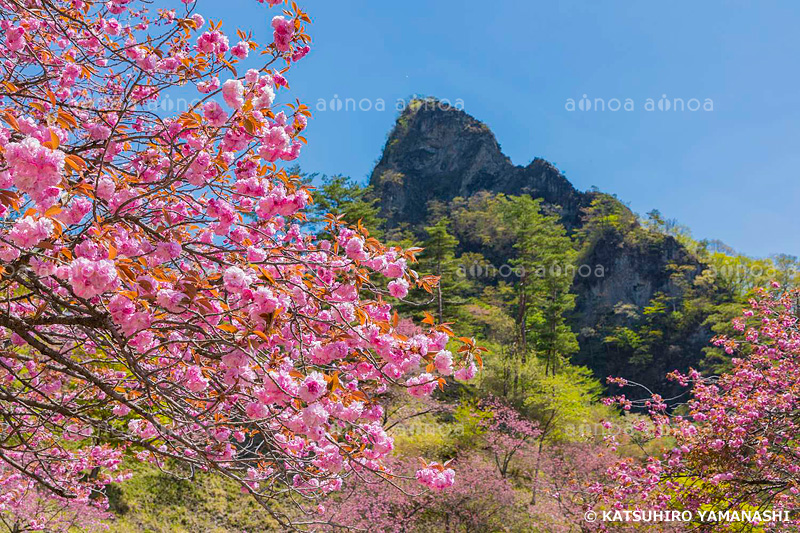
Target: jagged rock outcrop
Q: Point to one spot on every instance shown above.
(437, 152)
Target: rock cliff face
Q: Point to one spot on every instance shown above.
(439, 153)
(632, 274)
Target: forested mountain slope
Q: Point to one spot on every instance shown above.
(647, 298)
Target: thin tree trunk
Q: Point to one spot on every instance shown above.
(439, 292)
(440, 306)
(539, 456)
(521, 319)
(536, 472)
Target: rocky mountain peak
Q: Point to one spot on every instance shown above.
(437, 152)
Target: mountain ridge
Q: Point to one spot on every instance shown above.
(437, 153)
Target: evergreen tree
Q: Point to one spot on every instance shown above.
(545, 261)
(439, 259)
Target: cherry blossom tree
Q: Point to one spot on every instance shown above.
(506, 432)
(162, 293)
(736, 447)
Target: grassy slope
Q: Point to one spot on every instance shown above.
(153, 502)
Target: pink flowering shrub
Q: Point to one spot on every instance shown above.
(486, 494)
(493, 489)
(567, 483)
(478, 500)
(178, 307)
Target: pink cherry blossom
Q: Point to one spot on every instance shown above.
(36, 169)
(195, 381)
(435, 477)
(283, 33)
(241, 50)
(28, 232)
(213, 42)
(312, 387)
(444, 362)
(90, 278)
(398, 288)
(422, 385)
(466, 373)
(215, 114)
(274, 144)
(233, 93)
(236, 279)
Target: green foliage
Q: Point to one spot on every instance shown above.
(478, 223)
(739, 274)
(469, 418)
(426, 436)
(625, 338)
(342, 197)
(564, 401)
(702, 288)
(605, 215)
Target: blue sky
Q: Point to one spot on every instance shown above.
(730, 173)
